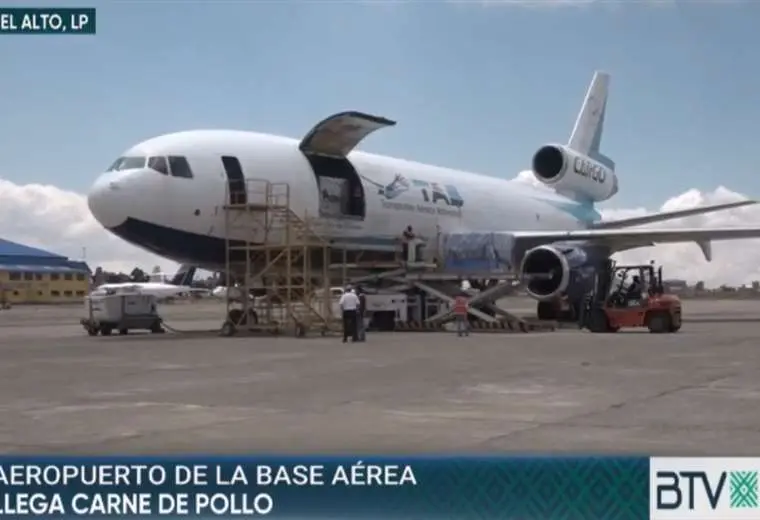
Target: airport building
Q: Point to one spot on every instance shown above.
(30, 275)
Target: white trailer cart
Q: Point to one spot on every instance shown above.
(106, 313)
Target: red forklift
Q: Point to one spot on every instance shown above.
(613, 303)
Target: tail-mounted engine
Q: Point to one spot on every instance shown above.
(550, 271)
(569, 172)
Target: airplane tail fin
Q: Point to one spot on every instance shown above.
(587, 132)
(184, 275)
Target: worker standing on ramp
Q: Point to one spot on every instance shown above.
(406, 242)
(349, 306)
(460, 314)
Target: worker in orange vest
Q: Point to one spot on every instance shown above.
(460, 315)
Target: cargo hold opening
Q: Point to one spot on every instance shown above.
(327, 147)
(341, 193)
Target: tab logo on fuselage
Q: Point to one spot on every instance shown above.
(431, 192)
(593, 171)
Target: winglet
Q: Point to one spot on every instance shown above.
(706, 247)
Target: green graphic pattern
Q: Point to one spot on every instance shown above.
(744, 489)
(525, 488)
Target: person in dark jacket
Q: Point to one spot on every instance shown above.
(406, 240)
(634, 291)
(361, 313)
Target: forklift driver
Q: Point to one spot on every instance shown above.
(634, 290)
(617, 292)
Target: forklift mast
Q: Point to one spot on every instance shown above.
(603, 282)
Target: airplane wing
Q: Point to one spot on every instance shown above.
(669, 215)
(624, 239)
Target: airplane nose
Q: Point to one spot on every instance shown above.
(106, 202)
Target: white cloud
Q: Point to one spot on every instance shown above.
(59, 221)
(735, 262)
(527, 177)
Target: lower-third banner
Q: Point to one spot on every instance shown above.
(316, 487)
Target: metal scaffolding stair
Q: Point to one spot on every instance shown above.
(277, 246)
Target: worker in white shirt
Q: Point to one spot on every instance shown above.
(349, 306)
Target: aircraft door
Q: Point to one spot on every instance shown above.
(235, 180)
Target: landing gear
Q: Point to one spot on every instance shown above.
(558, 310)
(547, 311)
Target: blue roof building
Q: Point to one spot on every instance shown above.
(16, 257)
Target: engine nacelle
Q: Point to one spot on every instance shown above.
(549, 271)
(569, 172)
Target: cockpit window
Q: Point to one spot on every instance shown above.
(159, 164)
(180, 167)
(127, 163)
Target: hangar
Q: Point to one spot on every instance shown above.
(31, 275)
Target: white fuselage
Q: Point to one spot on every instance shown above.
(184, 218)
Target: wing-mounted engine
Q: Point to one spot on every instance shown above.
(551, 271)
(571, 173)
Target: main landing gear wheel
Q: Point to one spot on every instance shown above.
(546, 311)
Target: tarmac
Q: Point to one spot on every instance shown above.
(691, 393)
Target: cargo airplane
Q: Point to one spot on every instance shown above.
(167, 195)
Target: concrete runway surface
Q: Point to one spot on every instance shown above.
(695, 392)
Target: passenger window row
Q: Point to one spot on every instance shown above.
(174, 165)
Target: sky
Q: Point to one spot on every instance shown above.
(474, 85)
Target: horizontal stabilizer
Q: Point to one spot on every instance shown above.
(669, 215)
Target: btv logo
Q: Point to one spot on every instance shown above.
(684, 488)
